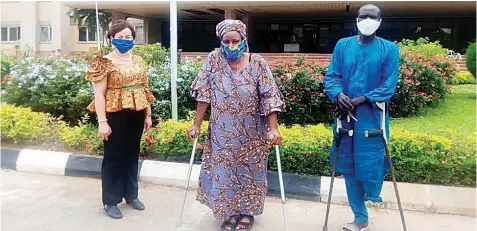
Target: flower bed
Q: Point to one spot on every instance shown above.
(419, 158)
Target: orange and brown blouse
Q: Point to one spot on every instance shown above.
(127, 86)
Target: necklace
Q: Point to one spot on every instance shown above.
(123, 59)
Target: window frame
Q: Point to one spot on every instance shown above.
(9, 27)
(143, 34)
(87, 35)
(50, 34)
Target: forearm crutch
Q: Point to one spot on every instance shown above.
(382, 134)
(340, 132)
(280, 178)
(191, 164)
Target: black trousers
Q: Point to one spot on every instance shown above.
(119, 171)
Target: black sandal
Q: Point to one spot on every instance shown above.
(245, 226)
(229, 224)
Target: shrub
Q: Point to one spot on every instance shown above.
(153, 54)
(418, 158)
(168, 142)
(59, 86)
(302, 84)
(423, 82)
(160, 85)
(82, 138)
(465, 77)
(22, 125)
(423, 46)
(470, 58)
(55, 86)
(6, 63)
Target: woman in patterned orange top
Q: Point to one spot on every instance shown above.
(122, 102)
(245, 101)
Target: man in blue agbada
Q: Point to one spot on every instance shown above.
(363, 71)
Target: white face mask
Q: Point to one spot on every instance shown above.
(368, 26)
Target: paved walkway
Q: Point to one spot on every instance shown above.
(58, 203)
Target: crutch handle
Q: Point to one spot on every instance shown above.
(373, 133)
(193, 133)
(271, 136)
(344, 131)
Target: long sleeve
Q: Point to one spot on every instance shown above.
(334, 77)
(387, 87)
(271, 99)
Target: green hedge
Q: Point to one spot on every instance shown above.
(419, 158)
(59, 87)
(470, 58)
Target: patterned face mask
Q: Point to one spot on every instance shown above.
(233, 53)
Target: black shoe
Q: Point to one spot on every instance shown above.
(136, 204)
(113, 211)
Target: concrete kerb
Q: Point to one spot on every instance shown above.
(417, 197)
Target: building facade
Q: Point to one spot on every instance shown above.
(273, 27)
(43, 27)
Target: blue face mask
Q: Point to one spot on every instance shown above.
(233, 53)
(123, 45)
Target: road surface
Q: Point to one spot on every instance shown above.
(34, 202)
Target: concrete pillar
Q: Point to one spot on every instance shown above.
(230, 14)
(60, 25)
(456, 31)
(153, 30)
(247, 20)
(116, 16)
(30, 30)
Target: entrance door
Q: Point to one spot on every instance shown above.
(329, 34)
(309, 38)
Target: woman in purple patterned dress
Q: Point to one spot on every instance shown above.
(245, 101)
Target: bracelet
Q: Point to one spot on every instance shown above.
(148, 115)
(103, 120)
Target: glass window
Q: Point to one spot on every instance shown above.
(386, 24)
(88, 34)
(444, 23)
(413, 24)
(336, 27)
(324, 31)
(349, 26)
(284, 26)
(92, 34)
(4, 33)
(83, 34)
(10, 34)
(14, 34)
(45, 34)
(429, 25)
(140, 38)
(399, 24)
(260, 26)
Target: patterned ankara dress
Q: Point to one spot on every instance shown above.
(234, 164)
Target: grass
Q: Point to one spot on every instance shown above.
(456, 114)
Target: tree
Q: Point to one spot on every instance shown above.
(87, 18)
(470, 58)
